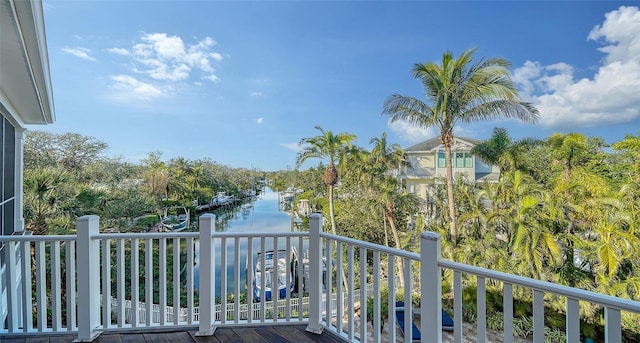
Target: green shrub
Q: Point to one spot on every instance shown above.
(553, 335)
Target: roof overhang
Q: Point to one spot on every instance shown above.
(25, 83)
(459, 144)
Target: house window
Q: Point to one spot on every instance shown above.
(441, 159)
(7, 175)
(458, 159)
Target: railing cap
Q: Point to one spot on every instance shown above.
(430, 235)
(88, 218)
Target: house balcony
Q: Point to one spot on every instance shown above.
(94, 284)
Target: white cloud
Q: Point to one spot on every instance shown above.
(216, 56)
(160, 63)
(129, 88)
(410, 132)
(211, 78)
(259, 120)
(295, 147)
(256, 93)
(168, 58)
(119, 51)
(611, 96)
(79, 52)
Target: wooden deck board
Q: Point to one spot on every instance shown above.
(272, 334)
(249, 335)
(204, 339)
(13, 340)
(255, 334)
(110, 338)
(61, 339)
(131, 337)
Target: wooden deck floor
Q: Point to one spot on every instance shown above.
(259, 334)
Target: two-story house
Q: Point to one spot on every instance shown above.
(427, 165)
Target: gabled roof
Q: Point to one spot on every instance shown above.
(435, 144)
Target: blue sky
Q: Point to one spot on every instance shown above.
(242, 82)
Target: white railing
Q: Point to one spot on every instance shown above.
(94, 282)
(152, 272)
(423, 278)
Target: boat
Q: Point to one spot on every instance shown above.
(221, 199)
(175, 218)
(275, 265)
(290, 193)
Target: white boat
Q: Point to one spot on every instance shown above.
(275, 268)
(221, 199)
(175, 218)
(290, 193)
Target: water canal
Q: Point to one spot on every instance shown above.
(262, 215)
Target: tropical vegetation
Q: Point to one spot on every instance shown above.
(460, 90)
(566, 208)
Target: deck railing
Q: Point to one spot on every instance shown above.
(96, 282)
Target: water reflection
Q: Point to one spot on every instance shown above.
(259, 216)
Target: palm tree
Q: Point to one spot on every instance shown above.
(631, 146)
(44, 194)
(502, 151)
(459, 90)
(386, 156)
(332, 148)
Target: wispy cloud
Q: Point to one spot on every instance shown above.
(410, 132)
(256, 94)
(259, 120)
(129, 88)
(295, 147)
(119, 51)
(611, 96)
(79, 52)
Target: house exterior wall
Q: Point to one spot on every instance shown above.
(427, 165)
(422, 164)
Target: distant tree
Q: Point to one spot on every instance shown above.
(70, 151)
(459, 90)
(500, 150)
(331, 148)
(630, 146)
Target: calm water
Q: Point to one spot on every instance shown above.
(261, 216)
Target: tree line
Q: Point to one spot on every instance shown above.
(68, 175)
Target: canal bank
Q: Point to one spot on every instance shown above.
(261, 215)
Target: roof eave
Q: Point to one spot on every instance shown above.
(28, 97)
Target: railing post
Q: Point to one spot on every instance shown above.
(207, 265)
(88, 278)
(315, 274)
(11, 281)
(431, 288)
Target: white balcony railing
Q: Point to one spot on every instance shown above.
(98, 282)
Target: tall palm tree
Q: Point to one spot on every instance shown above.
(331, 148)
(460, 90)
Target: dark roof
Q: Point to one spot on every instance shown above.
(432, 143)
